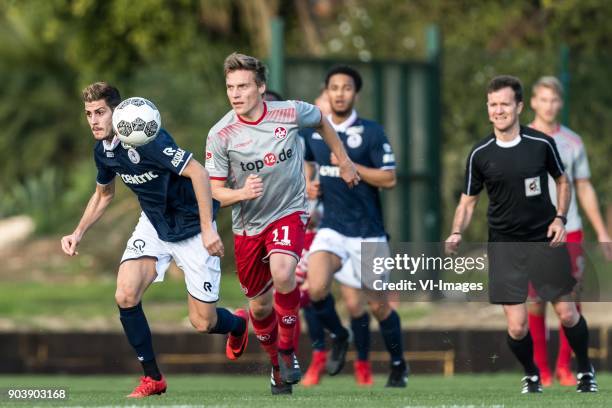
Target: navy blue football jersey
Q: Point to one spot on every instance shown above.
(352, 212)
(153, 173)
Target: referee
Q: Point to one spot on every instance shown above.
(526, 232)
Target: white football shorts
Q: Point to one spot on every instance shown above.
(202, 271)
(348, 249)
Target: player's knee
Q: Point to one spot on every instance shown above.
(317, 293)
(284, 279)
(260, 311)
(201, 324)
(518, 330)
(126, 297)
(569, 317)
(380, 310)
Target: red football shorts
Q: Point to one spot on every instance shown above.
(285, 235)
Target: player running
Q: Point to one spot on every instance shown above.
(350, 217)
(546, 102)
(177, 222)
(254, 149)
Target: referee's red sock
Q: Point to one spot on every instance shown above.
(266, 331)
(287, 306)
(537, 328)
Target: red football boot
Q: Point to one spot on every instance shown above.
(148, 386)
(363, 373)
(315, 369)
(565, 376)
(236, 345)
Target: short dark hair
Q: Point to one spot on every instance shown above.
(507, 81)
(272, 96)
(346, 70)
(236, 61)
(102, 90)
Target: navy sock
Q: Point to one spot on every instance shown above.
(391, 331)
(138, 333)
(523, 351)
(315, 329)
(578, 338)
(228, 322)
(361, 334)
(326, 312)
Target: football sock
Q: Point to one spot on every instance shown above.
(228, 322)
(266, 331)
(578, 338)
(315, 329)
(138, 333)
(326, 312)
(523, 351)
(287, 307)
(564, 357)
(151, 370)
(391, 331)
(361, 335)
(537, 328)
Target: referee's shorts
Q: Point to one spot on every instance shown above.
(514, 262)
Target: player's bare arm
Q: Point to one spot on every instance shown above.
(556, 230)
(461, 220)
(96, 206)
(253, 188)
(373, 176)
(201, 187)
(590, 204)
(348, 172)
(313, 186)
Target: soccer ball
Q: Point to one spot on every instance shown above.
(136, 121)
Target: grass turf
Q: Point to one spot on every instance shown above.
(482, 390)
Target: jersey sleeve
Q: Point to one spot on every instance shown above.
(305, 136)
(581, 164)
(166, 152)
(105, 175)
(217, 161)
(381, 152)
(554, 165)
(473, 176)
(307, 115)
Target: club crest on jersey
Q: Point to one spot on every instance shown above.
(209, 163)
(133, 155)
(354, 140)
(280, 133)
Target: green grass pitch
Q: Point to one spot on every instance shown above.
(482, 390)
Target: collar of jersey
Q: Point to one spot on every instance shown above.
(263, 115)
(511, 143)
(343, 127)
(111, 145)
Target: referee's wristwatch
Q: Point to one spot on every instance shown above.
(563, 218)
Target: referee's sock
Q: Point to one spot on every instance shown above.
(228, 322)
(578, 338)
(523, 351)
(326, 312)
(137, 330)
(361, 335)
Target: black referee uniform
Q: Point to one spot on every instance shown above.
(515, 175)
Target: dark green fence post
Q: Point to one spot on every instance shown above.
(564, 77)
(276, 64)
(434, 55)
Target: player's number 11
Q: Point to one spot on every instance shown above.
(285, 229)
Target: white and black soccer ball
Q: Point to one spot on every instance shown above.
(136, 121)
